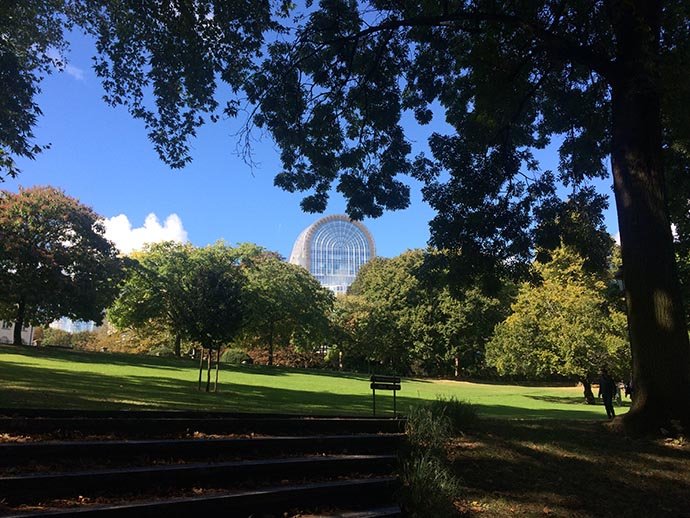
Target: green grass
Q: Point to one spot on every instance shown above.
(49, 378)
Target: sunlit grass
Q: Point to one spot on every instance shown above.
(43, 378)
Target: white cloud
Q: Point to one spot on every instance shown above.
(76, 73)
(60, 63)
(119, 230)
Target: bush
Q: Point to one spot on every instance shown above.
(426, 430)
(162, 351)
(429, 486)
(85, 340)
(460, 414)
(234, 356)
(56, 337)
(429, 489)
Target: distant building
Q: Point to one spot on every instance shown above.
(73, 326)
(333, 249)
(7, 333)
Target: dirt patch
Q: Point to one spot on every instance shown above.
(569, 469)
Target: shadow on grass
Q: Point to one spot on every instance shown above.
(33, 387)
(174, 387)
(164, 363)
(571, 400)
(576, 468)
(89, 357)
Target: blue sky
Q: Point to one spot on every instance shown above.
(102, 156)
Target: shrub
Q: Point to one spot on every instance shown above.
(429, 487)
(460, 414)
(162, 351)
(85, 340)
(56, 337)
(426, 430)
(235, 356)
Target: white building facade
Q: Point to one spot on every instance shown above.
(7, 333)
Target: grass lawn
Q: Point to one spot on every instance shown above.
(538, 451)
(54, 378)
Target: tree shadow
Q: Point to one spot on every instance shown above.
(34, 387)
(570, 400)
(572, 468)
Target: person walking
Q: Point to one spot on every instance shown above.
(607, 389)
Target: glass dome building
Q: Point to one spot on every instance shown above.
(333, 249)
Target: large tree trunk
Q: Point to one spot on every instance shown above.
(658, 332)
(19, 323)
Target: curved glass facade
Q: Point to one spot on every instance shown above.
(334, 249)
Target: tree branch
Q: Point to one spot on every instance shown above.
(557, 46)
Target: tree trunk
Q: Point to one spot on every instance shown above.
(201, 365)
(587, 391)
(658, 332)
(19, 323)
(270, 347)
(178, 340)
(215, 384)
(456, 366)
(208, 371)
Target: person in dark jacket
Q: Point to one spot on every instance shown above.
(607, 389)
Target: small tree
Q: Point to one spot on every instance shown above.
(54, 259)
(564, 326)
(213, 308)
(153, 290)
(286, 304)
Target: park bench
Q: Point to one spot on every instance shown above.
(384, 383)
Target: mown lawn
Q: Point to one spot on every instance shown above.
(53, 378)
(538, 451)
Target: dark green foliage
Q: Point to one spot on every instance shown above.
(402, 319)
(54, 259)
(285, 305)
(460, 414)
(234, 356)
(34, 38)
(195, 294)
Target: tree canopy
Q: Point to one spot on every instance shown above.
(195, 293)
(54, 259)
(285, 305)
(562, 326)
(397, 317)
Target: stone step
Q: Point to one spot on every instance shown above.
(37, 486)
(346, 494)
(16, 455)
